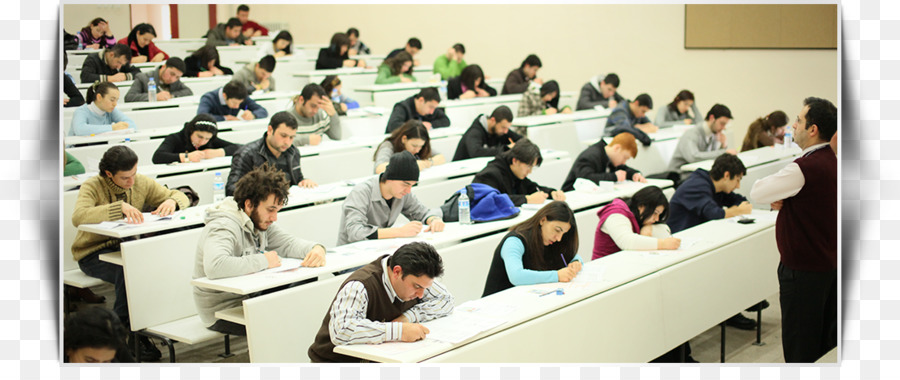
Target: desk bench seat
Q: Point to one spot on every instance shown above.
(78, 279)
(190, 330)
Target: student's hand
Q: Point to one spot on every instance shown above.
(413, 332)
(65, 101)
(205, 74)
(621, 175)
(247, 115)
(451, 54)
(264, 84)
(410, 229)
(213, 153)
(647, 230)
(352, 52)
(550, 111)
(469, 94)
(360, 63)
(166, 208)
(217, 71)
(405, 79)
(159, 57)
(482, 93)
(327, 105)
(427, 124)
(688, 121)
(314, 258)
(139, 59)
(280, 53)
(511, 143)
(120, 126)
(415, 62)
(248, 42)
(196, 156)
(538, 80)
(273, 259)
(344, 107)
(132, 215)
(315, 139)
(745, 208)
(435, 224)
(668, 243)
(731, 152)
(247, 32)
(638, 177)
(721, 137)
(777, 205)
(647, 128)
(231, 118)
(558, 195)
(566, 110)
(92, 46)
(575, 265)
(308, 183)
(163, 96)
(613, 103)
(566, 274)
(118, 77)
(537, 198)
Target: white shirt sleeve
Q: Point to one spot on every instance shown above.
(618, 227)
(349, 324)
(782, 185)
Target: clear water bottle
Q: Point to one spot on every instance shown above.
(151, 89)
(335, 97)
(788, 139)
(464, 217)
(443, 90)
(218, 188)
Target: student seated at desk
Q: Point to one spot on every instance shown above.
(385, 301)
(518, 80)
(635, 224)
(196, 141)
(676, 112)
(249, 28)
(227, 34)
(374, 205)
(281, 46)
(315, 115)
(110, 65)
(357, 47)
(452, 63)
(332, 86)
(469, 84)
(117, 193)
(205, 63)
(335, 55)
(397, 69)
(140, 40)
(100, 115)
(631, 117)
(230, 102)
(71, 165)
(72, 96)
(542, 249)
(257, 76)
(96, 35)
(704, 141)
(412, 137)
(423, 107)
(600, 91)
(766, 131)
(413, 47)
(601, 162)
(276, 148)
(95, 335)
(541, 100)
(487, 136)
(241, 237)
(509, 171)
(167, 78)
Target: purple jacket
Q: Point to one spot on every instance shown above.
(603, 243)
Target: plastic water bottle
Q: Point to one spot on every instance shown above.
(218, 188)
(443, 90)
(151, 89)
(335, 97)
(464, 209)
(788, 139)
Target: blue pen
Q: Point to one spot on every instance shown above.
(564, 259)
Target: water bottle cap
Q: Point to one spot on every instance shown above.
(218, 173)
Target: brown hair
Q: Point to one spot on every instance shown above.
(626, 141)
(538, 256)
(259, 183)
(396, 62)
(761, 125)
(412, 129)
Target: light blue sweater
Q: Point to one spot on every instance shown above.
(88, 120)
(512, 252)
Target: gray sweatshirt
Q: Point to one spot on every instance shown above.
(320, 123)
(666, 117)
(365, 211)
(696, 144)
(230, 246)
(138, 90)
(246, 77)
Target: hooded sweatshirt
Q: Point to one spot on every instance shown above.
(592, 96)
(180, 142)
(497, 174)
(230, 246)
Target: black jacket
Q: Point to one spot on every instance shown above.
(477, 142)
(594, 164)
(454, 88)
(193, 67)
(498, 175)
(406, 110)
(180, 142)
(256, 153)
(95, 69)
(330, 59)
(71, 90)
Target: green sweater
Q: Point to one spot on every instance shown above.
(385, 77)
(447, 68)
(73, 166)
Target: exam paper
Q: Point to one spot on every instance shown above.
(287, 263)
(396, 348)
(456, 328)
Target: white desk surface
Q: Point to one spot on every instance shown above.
(395, 87)
(353, 71)
(187, 81)
(751, 158)
(511, 98)
(531, 121)
(619, 269)
(148, 65)
(83, 52)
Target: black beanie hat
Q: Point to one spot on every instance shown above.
(402, 167)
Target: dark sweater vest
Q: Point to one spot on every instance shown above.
(380, 308)
(498, 279)
(806, 229)
(603, 243)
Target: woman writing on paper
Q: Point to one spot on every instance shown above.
(99, 114)
(634, 224)
(412, 136)
(539, 250)
(196, 141)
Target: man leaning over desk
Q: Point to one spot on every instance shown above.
(385, 301)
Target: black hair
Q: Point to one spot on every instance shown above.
(285, 35)
(176, 63)
(683, 95)
(411, 129)
(353, 32)
(96, 327)
(539, 256)
(101, 88)
(234, 90)
(243, 8)
(205, 54)
(203, 122)
(96, 22)
(338, 40)
(414, 43)
(119, 50)
(65, 60)
(502, 113)
(823, 114)
(267, 63)
(727, 163)
(531, 60)
(233, 22)
(525, 151)
(417, 259)
(650, 197)
(459, 48)
(719, 110)
(612, 79)
(261, 182)
(396, 62)
(142, 28)
(283, 117)
(470, 74)
(644, 100)
(310, 90)
(329, 83)
(550, 87)
(118, 158)
(429, 94)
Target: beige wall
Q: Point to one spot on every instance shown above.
(193, 20)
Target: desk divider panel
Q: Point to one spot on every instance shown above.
(319, 223)
(338, 166)
(466, 266)
(552, 173)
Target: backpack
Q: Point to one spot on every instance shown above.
(486, 204)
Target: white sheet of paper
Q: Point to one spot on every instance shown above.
(287, 263)
(459, 327)
(394, 348)
(591, 274)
